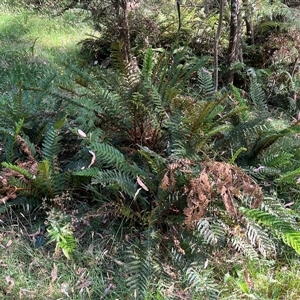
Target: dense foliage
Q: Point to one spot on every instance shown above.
(177, 172)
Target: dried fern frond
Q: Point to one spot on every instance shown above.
(220, 179)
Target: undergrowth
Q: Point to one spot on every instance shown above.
(139, 181)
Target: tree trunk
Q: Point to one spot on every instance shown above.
(235, 38)
(248, 17)
(216, 47)
(121, 9)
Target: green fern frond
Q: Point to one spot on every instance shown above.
(18, 169)
(26, 203)
(208, 135)
(276, 207)
(260, 238)
(89, 172)
(212, 232)
(241, 244)
(262, 172)
(18, 128)
(236, 154)
(206, 83)
(202, 282)
(108, 155)
(116, 181)
(141, 266)
(148, 64)
(51, 147)
(284, 230)
(44, 179)
(277, 159)
(289, 177)
(258, 97)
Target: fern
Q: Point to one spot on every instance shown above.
(242, 245)
(203, 283)
(206, 83)
(148, 64)
(212, 232)
(260, 238)
(51, 147)
(141, 266)
(19, 170)
(116, 181)
(279, 227)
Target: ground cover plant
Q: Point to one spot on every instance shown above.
(130, 170)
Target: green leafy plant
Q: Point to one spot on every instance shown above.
(31, 169)
(60, 232)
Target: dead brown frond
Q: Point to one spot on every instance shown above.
(199, 196)
(169, 180)
(224, 180)
(8, 192)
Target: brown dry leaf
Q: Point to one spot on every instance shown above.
(50, 291)
(165, 183)
(8, 244)
(81, 271)
(64, 289)
(232, 183)
(178, 246)
(141, 183)
(199, 196)
(85, 284)
(27, 294)
(54, 273)
(228, 181)
(11, 282)
(93, 158)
